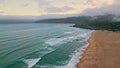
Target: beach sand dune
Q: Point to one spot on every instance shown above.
(103, 52)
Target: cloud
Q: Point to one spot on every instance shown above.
(113, 8)
(99, 3)
(1, 12)
(2, 1)
(57, 9)
(116, 1)
(88, 7)
(26, 5)
(43, 2)
(54, 6)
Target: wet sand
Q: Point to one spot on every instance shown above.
(103, 51)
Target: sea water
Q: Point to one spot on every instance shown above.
(40, 45)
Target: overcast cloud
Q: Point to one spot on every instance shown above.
(113, 8)
(58, 7)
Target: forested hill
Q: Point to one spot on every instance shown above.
(101, 22)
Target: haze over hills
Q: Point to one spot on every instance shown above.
(107, 22)
(97, 22)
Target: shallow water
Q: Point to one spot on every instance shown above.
(38, 45)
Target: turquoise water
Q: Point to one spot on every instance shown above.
(35, 45)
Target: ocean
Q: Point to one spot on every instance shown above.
(41, 45)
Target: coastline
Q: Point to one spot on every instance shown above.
(103, 51)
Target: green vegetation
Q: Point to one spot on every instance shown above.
(101, 22)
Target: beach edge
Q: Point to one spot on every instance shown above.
(103, 46)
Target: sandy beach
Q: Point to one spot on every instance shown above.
(103, 51)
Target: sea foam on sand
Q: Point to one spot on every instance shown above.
(78, 54)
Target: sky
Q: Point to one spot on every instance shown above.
(58, 7)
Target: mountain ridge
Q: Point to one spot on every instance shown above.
(100, 22)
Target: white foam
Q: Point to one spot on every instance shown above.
(74, 60)
(31, 62)
(77, 55)
(68, 32)
(51, 49)
(54, 41)
(72, 63)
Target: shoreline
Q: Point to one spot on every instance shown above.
(78, 53)
(85, 51)
(101, 52)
